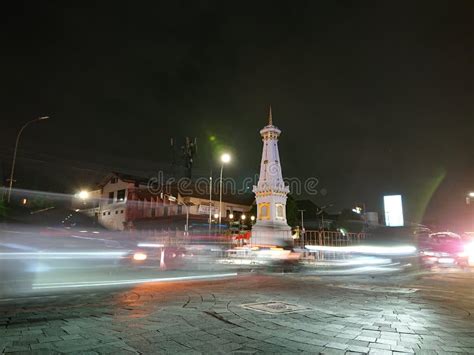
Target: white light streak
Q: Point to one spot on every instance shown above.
(366, 249)
(64, 255)
(127, 282)
(150, 245)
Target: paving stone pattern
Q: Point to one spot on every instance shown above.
(209, 318)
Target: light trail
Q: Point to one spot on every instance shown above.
(64, 255)
(150, 245)
(127, 282)
(366, 249)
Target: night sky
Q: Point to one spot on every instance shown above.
(372, 97)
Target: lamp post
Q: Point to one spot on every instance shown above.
(302, 227)
(14, 152)
(242, 221)
(210, 202)
(225, 158)
(187, 218)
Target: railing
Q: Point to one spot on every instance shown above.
(329, 238)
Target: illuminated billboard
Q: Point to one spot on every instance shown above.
(393, 210)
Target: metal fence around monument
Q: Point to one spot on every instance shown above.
(328, 239)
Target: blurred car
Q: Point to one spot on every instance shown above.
(444, 249)
(157, 256)
(273, 257)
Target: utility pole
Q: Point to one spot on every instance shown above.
(189, 151)
(321, 212)
(302, 225)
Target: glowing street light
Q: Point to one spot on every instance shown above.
(231, 216)
(16, 147)
(83, 195)
(252, 218)
(225, 158)
(243, 217)
(469, 196)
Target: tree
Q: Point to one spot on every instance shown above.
(350, 221)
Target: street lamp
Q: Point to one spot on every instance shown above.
(14, 152)
(225, 158)
(242, 221)
(231, 216)
(83, 195)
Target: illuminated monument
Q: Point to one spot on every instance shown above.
(271, 227)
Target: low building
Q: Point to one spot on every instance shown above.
(127, 202)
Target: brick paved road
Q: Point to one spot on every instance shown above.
(425, 314)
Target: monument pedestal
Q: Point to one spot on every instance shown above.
(275, 234)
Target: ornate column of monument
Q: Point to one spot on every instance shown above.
(271, 227)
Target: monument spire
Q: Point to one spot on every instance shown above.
(271, 227)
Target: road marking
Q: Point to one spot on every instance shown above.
(275, 307)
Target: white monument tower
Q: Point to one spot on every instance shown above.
(271, 227)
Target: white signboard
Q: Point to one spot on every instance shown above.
(204, 209)
(393, 210)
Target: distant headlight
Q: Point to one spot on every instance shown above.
(468, 250)
(139, 256)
